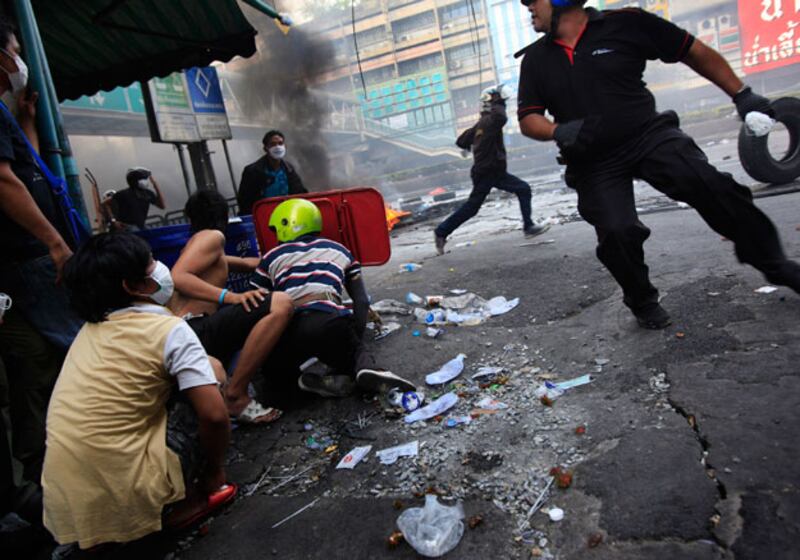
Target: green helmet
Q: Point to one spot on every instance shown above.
(294, 218)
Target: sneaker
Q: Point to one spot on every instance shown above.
(653, 317)
(788, 275)
(535, 229)
(440, 241)
(382, 382)
(326, 385)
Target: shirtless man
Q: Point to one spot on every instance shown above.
(252, 321)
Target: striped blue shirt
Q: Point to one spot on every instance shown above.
(308, 265)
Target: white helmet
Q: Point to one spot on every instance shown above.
(502, 90)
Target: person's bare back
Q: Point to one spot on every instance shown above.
(204, 258)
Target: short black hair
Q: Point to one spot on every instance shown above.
(270, 134)
(7, 29)
(94, 274)
(207, 209)
(135, 175)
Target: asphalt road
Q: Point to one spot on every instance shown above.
(689, 451)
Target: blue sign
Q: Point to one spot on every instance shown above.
(204, 90)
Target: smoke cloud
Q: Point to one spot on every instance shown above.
(275, 90)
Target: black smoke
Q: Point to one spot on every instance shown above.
(275, 89)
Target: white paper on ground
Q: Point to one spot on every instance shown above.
(766, 289)
(577, 382)
(390, 455)
(435, 408)
(500, 305)
(450, 370)
(759, 123)
(354, 457)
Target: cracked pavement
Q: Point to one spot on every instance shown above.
(689, 449)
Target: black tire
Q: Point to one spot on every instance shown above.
(754, 151)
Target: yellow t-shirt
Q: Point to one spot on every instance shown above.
(108, 472)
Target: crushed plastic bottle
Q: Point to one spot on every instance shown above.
(433, 530)
(413, 299)
(435, 408)
(447, 372)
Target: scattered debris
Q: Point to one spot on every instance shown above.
(487, 371)
(680, 334)
(390, 455)
(432, 530)
(766, 290)
(488, 403)
(410, 267)
(556, 514)
(433, 332)
(295, 514)
(437, 407)
(595, 539)
(580, 430)
(572, 383)
(353, 458)
(447, 372)
(562, 477)
(474, 521)
(391, 307)
(454, 421)
(395, 539)
(385, 330)
(413, 299)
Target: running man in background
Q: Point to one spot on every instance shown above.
(485, 140)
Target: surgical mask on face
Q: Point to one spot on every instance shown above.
(19, 79)
(5, 304)
(143, 183)
(166, 286)
(277, 151)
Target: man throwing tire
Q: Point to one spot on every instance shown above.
(587, 72)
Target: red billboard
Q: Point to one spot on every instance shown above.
(770, 34)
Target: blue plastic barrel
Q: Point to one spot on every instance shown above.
(240, 240)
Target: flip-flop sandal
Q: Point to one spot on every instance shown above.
(255, 413)
(215, 501)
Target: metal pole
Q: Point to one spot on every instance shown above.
(230, 166)
(184, 169)
(200, 157)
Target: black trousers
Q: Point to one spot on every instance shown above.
(329, 337)
(481, 187)
(671, 162)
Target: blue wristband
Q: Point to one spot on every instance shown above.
(222, 295)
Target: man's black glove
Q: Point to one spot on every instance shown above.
(566, 135)
(746, 102)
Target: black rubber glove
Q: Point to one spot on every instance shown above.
(566, 135)
(746, 102)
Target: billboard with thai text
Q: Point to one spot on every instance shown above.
(770, 34)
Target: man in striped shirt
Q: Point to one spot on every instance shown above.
(315, 271)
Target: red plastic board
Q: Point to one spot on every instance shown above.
(356, 218)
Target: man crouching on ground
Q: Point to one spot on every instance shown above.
(314, 271)
(226, 322)
(114, 460)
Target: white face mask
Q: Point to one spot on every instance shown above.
(19, 79)
(166, 286)
(143, 183)
(5, 304)
(277, 151)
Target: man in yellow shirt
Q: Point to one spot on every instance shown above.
(109, 470)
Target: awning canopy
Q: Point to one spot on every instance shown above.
(95, 45)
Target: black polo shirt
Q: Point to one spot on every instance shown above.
(601, 79)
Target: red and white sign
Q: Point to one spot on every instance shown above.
(770, 34)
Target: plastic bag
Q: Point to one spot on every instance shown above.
(432, 530)
(447, 372)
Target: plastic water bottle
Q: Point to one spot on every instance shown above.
(435, 316)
